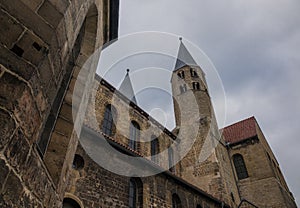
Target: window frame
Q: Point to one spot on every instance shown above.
(134, 135)
(109, 119)
(240, 166)
(154, 148)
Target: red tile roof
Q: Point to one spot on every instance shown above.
(240, 131)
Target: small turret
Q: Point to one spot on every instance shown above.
(126, 88)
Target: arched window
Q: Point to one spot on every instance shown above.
(135, 193)
(196, 86)
(171, 160)
(70, 203)
(240, 166)
(154, 148)
(108, 125)
(134, 134)
(193, 72)
(181, 74)
(176, 202)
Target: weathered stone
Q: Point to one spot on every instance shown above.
(26, 106)
(12, 191)
(14, 63)
(11, 27)
(50, 14)
(7, 127)
(3, 173)
(29, 19)
(17, 151)
(60, 5)
(33, 4)
(34, 49)
(45, 72)
(11, 90)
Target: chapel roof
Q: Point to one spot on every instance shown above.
(240, 131)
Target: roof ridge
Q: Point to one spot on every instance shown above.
(246, 119)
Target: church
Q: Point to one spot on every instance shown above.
(72, 140)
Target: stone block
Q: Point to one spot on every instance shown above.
(45, 72)
(14, 63)
(66, 112)
(11, 90)
(12, 191)
(10, 30)
(60, 5)
(50, 14)
(51, 91)
(17, 151)
(32, 4)
(7, 127)
(28, 115)
(64, 127)
(3, 172)
(29, 19)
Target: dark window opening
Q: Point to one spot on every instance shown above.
(154, 149)
(70, 203)
(108, 125)
(134, 135)
(240, 166)
(232, 197)
(113, 19)
(37, 46)
(17, 50)
(176, 202)
(193, 72)
(181, 74)
(78, 162)
(196, 86)
(135, 193)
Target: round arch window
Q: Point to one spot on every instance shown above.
(78, 162)
(70, 203)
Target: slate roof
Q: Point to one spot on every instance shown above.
(127, 89)
(240, 131)
(184, 58)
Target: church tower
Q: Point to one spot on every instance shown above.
(205, 162)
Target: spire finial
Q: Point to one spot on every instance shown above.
(180, 38)
(127, 71)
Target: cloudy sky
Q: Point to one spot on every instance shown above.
(255, 47)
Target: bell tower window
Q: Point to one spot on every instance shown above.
(181, 74)
(196, 86)
(193, 72)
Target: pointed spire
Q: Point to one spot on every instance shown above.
(184, 57)
(127, 89)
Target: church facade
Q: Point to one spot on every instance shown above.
(49, 149)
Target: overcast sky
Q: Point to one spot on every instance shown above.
(255, 47)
